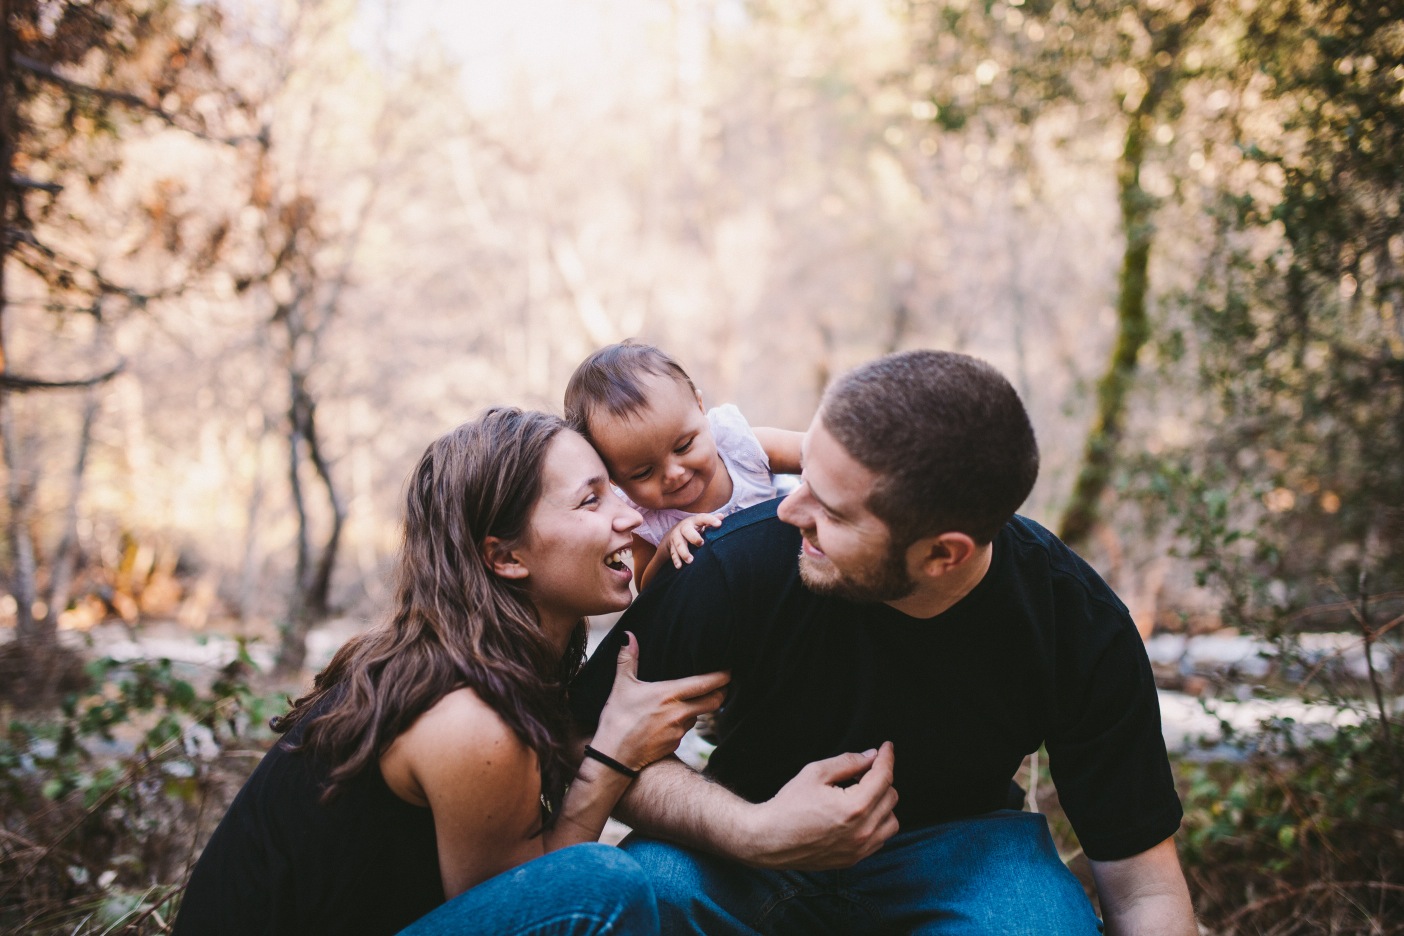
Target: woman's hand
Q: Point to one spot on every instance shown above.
(644, 721)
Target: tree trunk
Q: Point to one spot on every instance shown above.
(66, 556)
(1083, 512)
(311, 601)
(33, 636)
(292, 651)
(1133, 330)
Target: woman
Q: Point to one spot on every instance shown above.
(431, 760)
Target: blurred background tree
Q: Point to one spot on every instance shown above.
(256, 255)
(80, 81)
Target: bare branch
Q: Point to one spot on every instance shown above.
(18, 384)
(62, 266)
(24, 182)
(125, 98)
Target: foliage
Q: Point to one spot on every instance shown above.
(1301, 831)
(1296, 322)
(1288, 496)
(104, 800)
(1036, 65)
(1303, 837)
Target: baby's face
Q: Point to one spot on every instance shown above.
(664, 456)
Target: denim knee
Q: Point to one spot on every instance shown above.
(673, 871)
(605, 870)
(584, 890)
(1028, 888)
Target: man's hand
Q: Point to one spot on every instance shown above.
(813, 823)
(816, 824)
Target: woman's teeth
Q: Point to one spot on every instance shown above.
(616, 560)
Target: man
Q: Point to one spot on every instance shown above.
(929, 628)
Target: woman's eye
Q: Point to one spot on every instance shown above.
(590, 501)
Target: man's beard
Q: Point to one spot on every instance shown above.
(886, 580)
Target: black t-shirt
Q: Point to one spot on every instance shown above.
(1041, 651)
(281, 862)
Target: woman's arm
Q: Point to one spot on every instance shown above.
(782, 447)
(483, 784)
(642, 722)
(480, 782)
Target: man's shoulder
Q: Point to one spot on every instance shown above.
(752, 525)
(751, 543)
(1034, 551)
(1031, 543)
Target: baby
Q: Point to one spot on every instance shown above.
(683, 467)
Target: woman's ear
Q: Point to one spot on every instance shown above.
(502, 560)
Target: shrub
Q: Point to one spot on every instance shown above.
(104, 800)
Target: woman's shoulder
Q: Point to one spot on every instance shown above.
(462, 720)
(459, 735)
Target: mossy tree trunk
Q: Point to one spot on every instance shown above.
(1084, 508)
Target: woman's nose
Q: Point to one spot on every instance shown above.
(627, 519)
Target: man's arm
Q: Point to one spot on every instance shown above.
(812, 824)
(1145, 894)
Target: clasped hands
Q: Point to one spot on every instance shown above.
(834, 813)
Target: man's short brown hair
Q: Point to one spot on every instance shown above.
(946, 435)
(610, 379)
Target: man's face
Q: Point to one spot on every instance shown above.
(847, 550)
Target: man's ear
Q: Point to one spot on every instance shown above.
(934, 556)
(502, 560)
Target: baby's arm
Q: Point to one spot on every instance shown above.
(674, 545)
(782, 447)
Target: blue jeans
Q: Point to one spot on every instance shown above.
(578, 891)
(994, 874)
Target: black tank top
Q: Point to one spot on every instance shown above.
(282, 862)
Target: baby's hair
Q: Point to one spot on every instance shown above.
(610, 378)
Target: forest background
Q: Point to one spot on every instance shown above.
(257, 253)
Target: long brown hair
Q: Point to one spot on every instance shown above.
(455, 623)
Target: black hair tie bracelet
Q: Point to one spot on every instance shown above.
(611, 763)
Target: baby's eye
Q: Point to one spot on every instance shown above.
(641, 475)
(683, 449)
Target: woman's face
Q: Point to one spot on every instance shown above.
(577, 539)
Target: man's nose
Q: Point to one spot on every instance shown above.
(791, 509)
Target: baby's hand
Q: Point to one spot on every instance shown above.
(687, 530)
